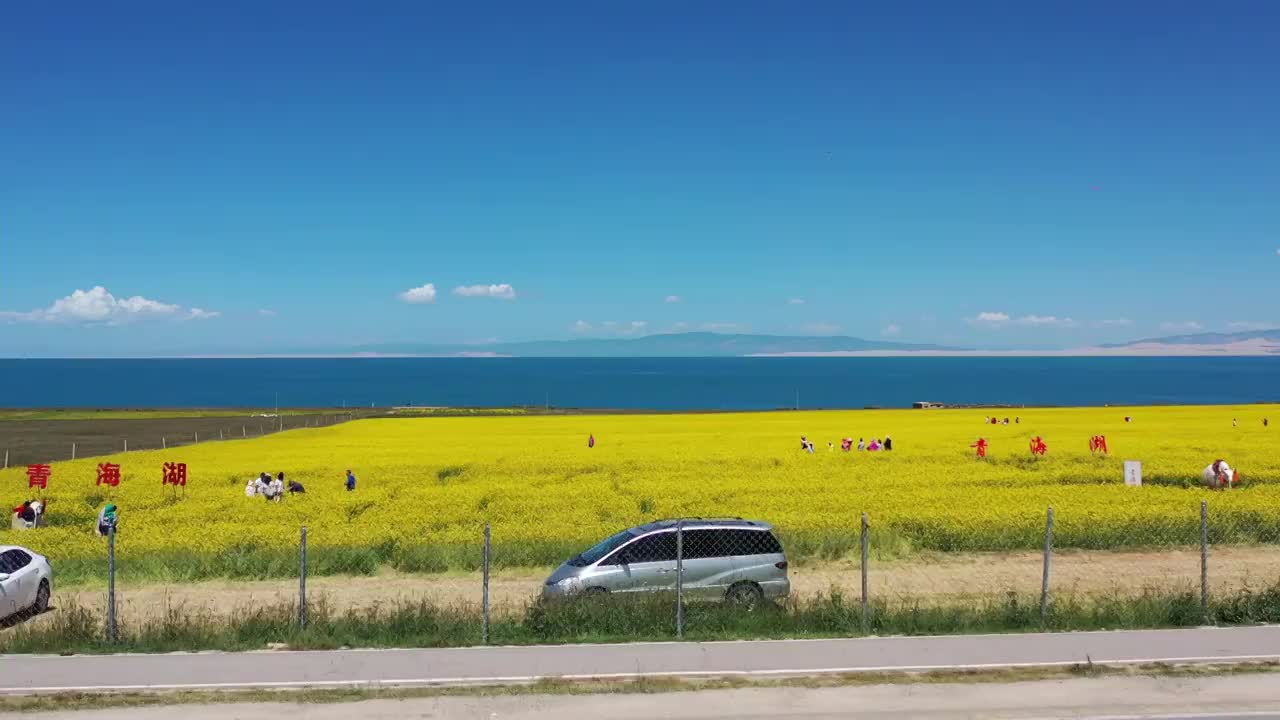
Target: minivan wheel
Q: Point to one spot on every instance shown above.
(595, 592)
(42, 598)
(746, 595)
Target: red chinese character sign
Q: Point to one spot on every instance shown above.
(1098, 444)
(175, 474)
(109, 474)
(38, 476)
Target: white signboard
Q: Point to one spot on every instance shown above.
(1132, 473)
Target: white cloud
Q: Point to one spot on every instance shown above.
(989, 319)
(820, 328)
(267, 313)
(611, 327)
(499, 292)
(1249, 325)
(673, 299)
(97, 305)
(1045, 321)
(196, 313)
(796, 301)
(1184, 326)
(420, 295)
(682, 325)
(891, 330)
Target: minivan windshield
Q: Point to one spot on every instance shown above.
(600, 549)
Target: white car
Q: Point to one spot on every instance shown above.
(26, 582)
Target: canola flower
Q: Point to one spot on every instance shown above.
(428, 485)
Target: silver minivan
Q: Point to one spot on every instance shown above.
(734, 560)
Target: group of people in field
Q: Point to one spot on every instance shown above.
(274, 489)
(847, 444)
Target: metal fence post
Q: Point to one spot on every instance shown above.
(243, 432)
(73, 451)
(484, 593)
(1044, 580)
(1204, 560)
(126, 444)
(866, 600)
(111, 584)
(220, 435)
(680, 578)
(164, 443)
(6, 459)
(302, 580)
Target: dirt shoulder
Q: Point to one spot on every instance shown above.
(942, 578)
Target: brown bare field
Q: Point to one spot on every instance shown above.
(50, 440)
(940, 579)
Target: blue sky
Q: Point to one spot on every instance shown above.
(258, 177)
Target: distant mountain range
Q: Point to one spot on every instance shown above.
(692, 344)
(709, 344)
(1206, 339)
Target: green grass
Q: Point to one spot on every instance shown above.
(74, 629)
(409, 412)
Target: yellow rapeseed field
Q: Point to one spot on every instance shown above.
(427, 486)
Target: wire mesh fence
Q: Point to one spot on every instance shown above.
(701, 576)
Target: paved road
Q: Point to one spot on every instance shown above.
(1231, 697)
(463, 666)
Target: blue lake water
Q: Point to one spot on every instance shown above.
(637, 383)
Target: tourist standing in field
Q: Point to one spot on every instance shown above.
(888, 443)
(591, 440)
(351, 481)
(862, 445)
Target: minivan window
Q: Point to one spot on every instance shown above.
(600, 549)
(658, 547)
(753, 542)
(707, 544)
